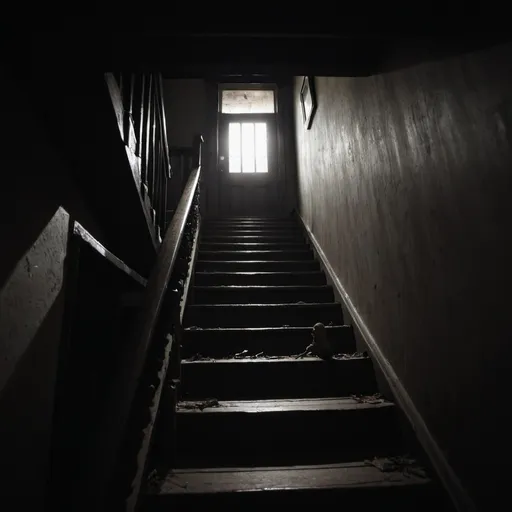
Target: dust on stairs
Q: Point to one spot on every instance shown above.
(262, 422)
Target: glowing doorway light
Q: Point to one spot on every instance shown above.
(248, 147)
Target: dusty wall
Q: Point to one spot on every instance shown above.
(404, 179)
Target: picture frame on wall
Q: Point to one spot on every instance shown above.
(308, 100)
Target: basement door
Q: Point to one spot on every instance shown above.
(247, 152)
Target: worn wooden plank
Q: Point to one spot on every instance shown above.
(254, 229)
(233, 238)
(279, 432)
(325, 476)
(204, 265)
(252, 245)
(284, 405)
(256, 255)
(259, 278)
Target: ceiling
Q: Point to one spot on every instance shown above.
(358, 50)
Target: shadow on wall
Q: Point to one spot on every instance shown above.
(33, 237)
(31, 308)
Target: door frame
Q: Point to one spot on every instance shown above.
(227, 179)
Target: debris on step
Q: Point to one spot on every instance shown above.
(195, 328)
(199, 357)
(245, 355)
(307, 352)
(376, 398)
(261, 355)
(406, 465)
(355, 355)
(199, 404)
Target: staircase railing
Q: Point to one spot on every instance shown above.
(152, 369)
(138, 101)
(182, 162)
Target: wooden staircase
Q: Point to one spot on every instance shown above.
(259, 421)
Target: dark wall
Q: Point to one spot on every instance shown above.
(188, 113)
(404, 179)
(286, 142)
(33, 240)
(185, 110)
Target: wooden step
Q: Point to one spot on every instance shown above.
(253, 246)
(286, 377)
(298, 237)
(204, 265)
(287, 255)
(252, 225)
(261, 294)
(259, 278)
(251, 218)
(272, 341)
(349, 486)
(262, 315)
(252, 222)
(260, 232)
(285, 432)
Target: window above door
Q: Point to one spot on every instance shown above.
(247, 101)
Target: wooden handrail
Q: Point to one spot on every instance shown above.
(123, 417)
(154, 300)
(159, 277)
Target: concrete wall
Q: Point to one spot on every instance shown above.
(405, 180)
